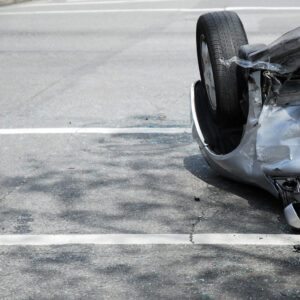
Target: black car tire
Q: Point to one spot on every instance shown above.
(224, 34)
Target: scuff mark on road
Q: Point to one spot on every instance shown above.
(3, 198)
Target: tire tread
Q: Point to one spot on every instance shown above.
(224, 34)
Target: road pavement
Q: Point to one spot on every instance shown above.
(125, 64)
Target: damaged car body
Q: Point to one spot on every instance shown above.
(245, 111)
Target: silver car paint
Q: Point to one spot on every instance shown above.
(242, 163)
(268, 149)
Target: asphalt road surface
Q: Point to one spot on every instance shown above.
(124, 64)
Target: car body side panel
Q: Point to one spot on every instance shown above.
(241, 164)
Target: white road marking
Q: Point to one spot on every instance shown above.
(100, 11)
(95, 130)
(70, 3)
(146, 10)
(268, 8)
(150, 239)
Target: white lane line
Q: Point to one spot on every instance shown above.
(118, 1)
(103, 11)
(268, 8)
(95, 130)
(150, 239)
(70, 3)
(146, 10)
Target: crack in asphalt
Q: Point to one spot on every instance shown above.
(194, 226)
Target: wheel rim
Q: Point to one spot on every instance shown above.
(208, 76)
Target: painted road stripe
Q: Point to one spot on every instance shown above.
(70, 3)
(150, 239)
(100, 11)
(279, 8)
(118, 1)
(95, 130)
(146, 10)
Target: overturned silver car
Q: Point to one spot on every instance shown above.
(245, 111)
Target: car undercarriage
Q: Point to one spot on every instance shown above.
(245, 110)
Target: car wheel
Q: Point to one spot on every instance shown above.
(219, 36)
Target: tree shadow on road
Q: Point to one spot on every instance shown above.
(257, 198)
(153, 272)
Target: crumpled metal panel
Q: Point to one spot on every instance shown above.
(270, 146)
(282, 56)
(268, 154)
(241, 164)
(278, 140)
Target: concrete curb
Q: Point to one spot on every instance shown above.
(7, 2)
